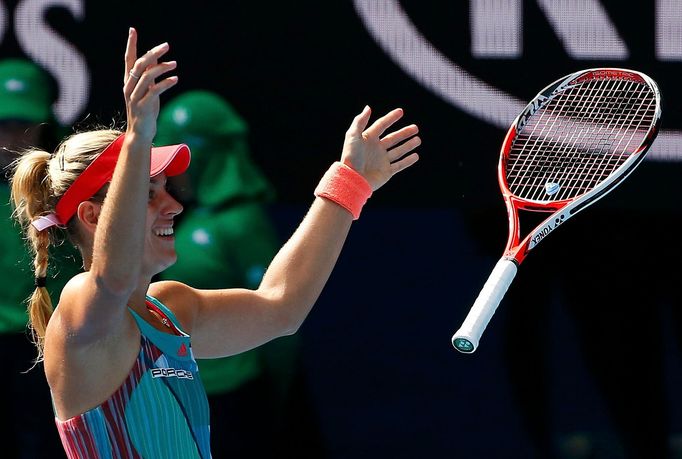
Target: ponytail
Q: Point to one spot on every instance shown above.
(39, 304)
(32, 197)
(38, 180)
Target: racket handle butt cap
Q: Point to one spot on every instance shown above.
(464, 343)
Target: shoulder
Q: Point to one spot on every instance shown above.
(179, 298)
(170, 291)
(73, 287)
(86, 315)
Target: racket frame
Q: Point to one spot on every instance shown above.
(467, 337)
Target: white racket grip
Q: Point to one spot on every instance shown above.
(467, 337)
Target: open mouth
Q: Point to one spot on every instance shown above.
(164, 232)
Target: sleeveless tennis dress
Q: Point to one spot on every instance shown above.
(159, 412)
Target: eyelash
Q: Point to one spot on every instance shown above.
(167, 188)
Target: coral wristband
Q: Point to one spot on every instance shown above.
(346, 187)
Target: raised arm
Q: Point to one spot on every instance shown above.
(231, 321)
(95, 302)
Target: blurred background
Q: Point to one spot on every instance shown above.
(583, 357)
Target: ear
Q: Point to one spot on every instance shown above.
(88, 214)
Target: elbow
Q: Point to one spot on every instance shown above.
(290, 319)
(291, 329)
(289, 324)
(288, 310)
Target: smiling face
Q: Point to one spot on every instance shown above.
(159, 242)
(162, 208)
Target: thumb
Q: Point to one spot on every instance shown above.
(360, 121)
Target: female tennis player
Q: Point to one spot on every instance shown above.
(119, 350)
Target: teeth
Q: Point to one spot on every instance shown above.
(164, 232)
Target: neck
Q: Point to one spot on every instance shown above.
(138, 298)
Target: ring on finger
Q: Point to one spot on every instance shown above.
(132, 74)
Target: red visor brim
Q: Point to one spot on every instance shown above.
(172, 159)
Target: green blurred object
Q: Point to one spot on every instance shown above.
(199, 114)
(26, 92)
(26, 97)
(222, 170)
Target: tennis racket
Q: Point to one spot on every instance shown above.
(577, 140)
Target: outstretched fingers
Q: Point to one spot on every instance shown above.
(404, 163)
(145, 80)
(394, 138)
(137, 73)
(403, 149)
(399, 145)
(130, 54)
(377, 159)
(147, 86)
(380, 125)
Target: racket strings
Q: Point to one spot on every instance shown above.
(579, 137)
(518, 165)
(602, 157)
(623, 139)
(574, 145)
(582, 149)
(543, 150)
(550, 152)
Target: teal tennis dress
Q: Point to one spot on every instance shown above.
(159, 412)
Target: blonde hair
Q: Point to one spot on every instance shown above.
(38, 180)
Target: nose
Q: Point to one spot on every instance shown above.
(171, 206)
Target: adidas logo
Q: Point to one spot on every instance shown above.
(182, 351)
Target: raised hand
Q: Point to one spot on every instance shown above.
(379, 158)
(140, 88)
